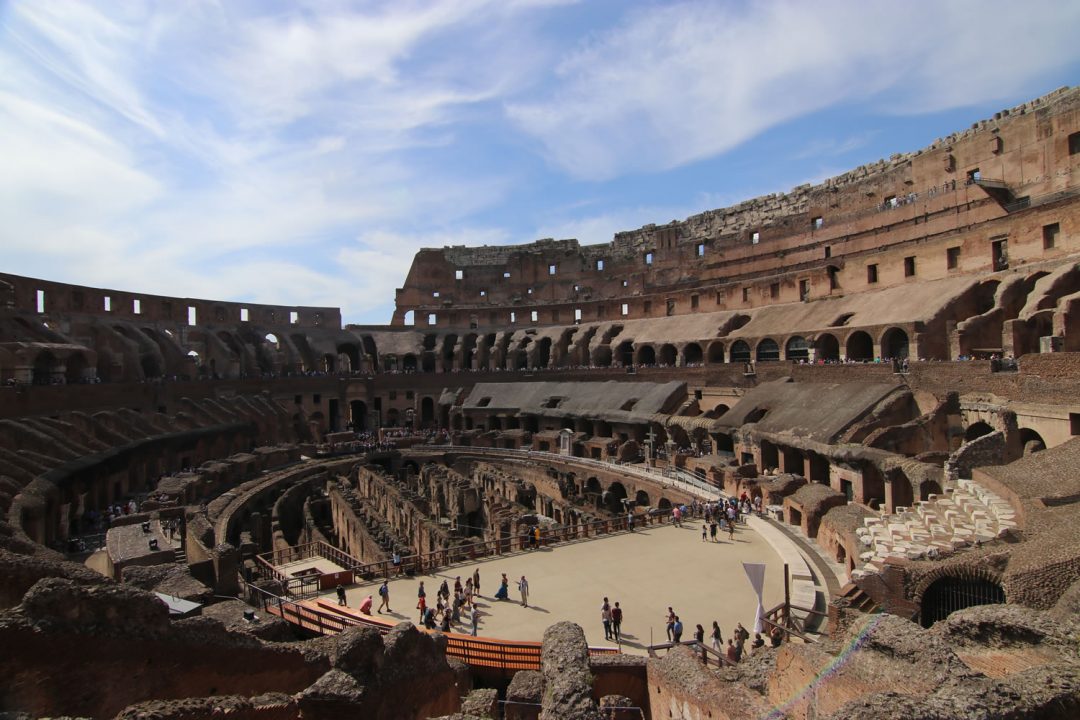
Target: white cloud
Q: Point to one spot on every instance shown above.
(678, 83)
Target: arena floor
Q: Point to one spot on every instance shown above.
(645, 571)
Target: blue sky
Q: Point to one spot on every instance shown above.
(301, 153)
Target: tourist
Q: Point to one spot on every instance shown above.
(341, 595)
(616, 622)
(503, 593)
(630, 521)
(421, 605)
(731, 530)
(476, 582)
(670, 620)
(741, 636)
(397, 562)
(717, 640)
(444, 591)
(776, 636)
(420, 591)
(699, 635)
(605, 618)
(475, 620)
(758, 642)
(676, 630)
(384, 597)
(704, 533)
(731, 656)
(712, 530)
(457, 585)
(365, 606)
(523, 588)
(445, 622)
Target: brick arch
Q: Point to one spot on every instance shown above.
(957, 572)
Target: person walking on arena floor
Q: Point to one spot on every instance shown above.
(384, 597)
(616, 622)
(605, 617)
(523, 587)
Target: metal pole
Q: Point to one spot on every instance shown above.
(787, 597)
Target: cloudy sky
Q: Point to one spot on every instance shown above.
(301, 152)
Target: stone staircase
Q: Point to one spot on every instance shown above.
(963, 515)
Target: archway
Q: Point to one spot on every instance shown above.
(614, 497)
(427, 361)
(641, 499)
(427, 412)
(408, 363)
(1031, 441)
(646, 355)
(797, 348)
(667, 355)
(928, 488)
(692, 354)
(948, 594)
(716, 352)
(740, 352)
(76, 367)
(977, 430)
(860, 346)
(44, 364)
(358, 415)
(768, 350)
(894, 344)
(625, 353)
(826, 347)
(543, 352)
(151, 368)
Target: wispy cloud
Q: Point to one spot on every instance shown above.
(673, 84)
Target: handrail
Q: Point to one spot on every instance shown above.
(326, 618)
(721, 660)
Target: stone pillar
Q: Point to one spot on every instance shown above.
(226, 569)
(564, 663)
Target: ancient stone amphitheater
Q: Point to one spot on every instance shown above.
(887, 364)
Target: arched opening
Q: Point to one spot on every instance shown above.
(716, 353)
(427, 412)
(44, 364)
(797, 349)
(371, 350)
(894, 344)
(903, 494)
(768, 350)
(392, 417)
(826, 347)
(468, 351)
(543, 352)
(668, 355)
(641, 499)
(408, 363)
(358, 415)
(614, 497)
(740, 352)
(76, 367)
(592, 486)
(1031, 441)
(427, 361)
(151, 368)
(646, 356)
(717, 411)
(860, 346)
(928, 488)
(692, 354)
(663, 503)
(977, 430)
(948, 594)
(625, 353)
(448, 352)
(329, 364)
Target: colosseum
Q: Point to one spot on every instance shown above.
(878, 376)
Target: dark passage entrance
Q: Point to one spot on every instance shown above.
(948, 594)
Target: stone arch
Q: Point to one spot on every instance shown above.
(427, 361)
(543, 352)
(408, 363)
(45, 364)
(151, 368)
(641, 499)
(894, 343)
(468, 351)
(592, 485)
(692, 354)
(646, 355)
(903, 494)
(614, 496)
(945, 590)
(449, 342)
(740, 352)
(796, 348)
(350, 352)
(76, 367)
(358, 415)
(427, 411)
(826, 347)
(668, 355)
(716, 352)
(860, 346)
(928, 488)
(601, 356)
(1031, 441)
(663, 503)
(767, 350)
(625, 353)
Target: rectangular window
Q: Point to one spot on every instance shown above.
(909, 266)
(1050, 234)
(577, 315)
(409, 395)
(435, 294)
(625, 309)
(513, 317)
(871, 274)
(534, 316)
(529, 291)
(243, 314)
(459, 274)
(746, 294)
(577, 288)
(316, 399)
(108, 304)
(647, 306)
(891, 201)
(392, 395)
(817, 222)
(1000, 253)
(974, 176)
(551, 269)
(693, 302)
(432, 319)
(599, 264)
(506, 275)
(804, 289)
(755, 237)
(1074, 143)
(483, 293)
(701, 249)
(294, 317)
(192, 316)
(626, 283)
(554, 316)
(298, 399)
(41, 301)
(648, 258)
(952, 258)
(828, 252)
(1074, 423)
(774, 290)
(670, 308)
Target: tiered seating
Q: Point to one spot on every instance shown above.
(963, 515)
